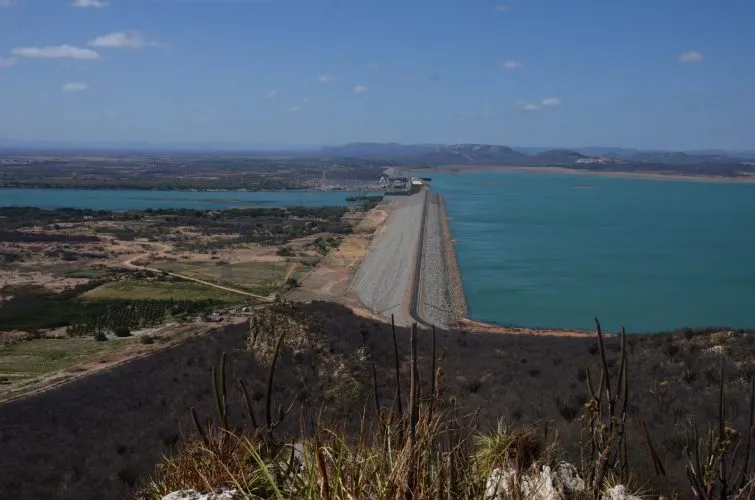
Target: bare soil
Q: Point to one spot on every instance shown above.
(332, 276)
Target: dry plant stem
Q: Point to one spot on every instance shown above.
(249, 407)
(398, 375)
(375, 389)
(607, 429)
(410, 487)
(269, 394)
(432, 379)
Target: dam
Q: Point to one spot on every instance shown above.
(411, 271)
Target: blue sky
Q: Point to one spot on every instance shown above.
(677, 74)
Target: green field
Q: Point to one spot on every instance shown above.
(162, 290)
(262, 278)
(34, 358)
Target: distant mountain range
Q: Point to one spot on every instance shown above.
(487, 154)
(431, 154)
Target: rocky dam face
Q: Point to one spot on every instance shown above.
(411, 271)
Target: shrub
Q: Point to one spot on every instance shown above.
(100, 336)
(122, 331)
(285, 252)
(146, 339)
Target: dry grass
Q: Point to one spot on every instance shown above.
(379, 463)
(248, 275)
(161, 290)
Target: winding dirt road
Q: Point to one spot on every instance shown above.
(129, 263)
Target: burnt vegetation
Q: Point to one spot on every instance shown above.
(341, 387)
(629, 410)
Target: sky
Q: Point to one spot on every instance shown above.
(670, 74)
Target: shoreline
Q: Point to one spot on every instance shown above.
(458, 305)
(186, 190)
(459, 300)
(670, 176)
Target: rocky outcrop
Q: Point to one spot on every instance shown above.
(618, 493)
(218, 494)
(561, 482)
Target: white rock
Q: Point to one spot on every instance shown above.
(563, 483)
(570, 482)
(218, 494)
(618, 493)
(716, 349)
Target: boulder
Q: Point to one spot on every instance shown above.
(618, 493)
(561, 482)
(218, 494)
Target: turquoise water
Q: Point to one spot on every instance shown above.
(125, 199)
(549, 250)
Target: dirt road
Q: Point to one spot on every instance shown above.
(130, 263)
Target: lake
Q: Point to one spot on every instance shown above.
(126, 199)
(553, 250)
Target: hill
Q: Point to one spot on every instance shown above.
(472, 154)
(556, 157)
(490, 154)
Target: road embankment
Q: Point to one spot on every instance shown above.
(385, 278)
(441, 298)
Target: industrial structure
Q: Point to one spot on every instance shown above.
(396, 181)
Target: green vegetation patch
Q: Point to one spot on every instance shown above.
(162, 290)
(33, 358)
(262, 278)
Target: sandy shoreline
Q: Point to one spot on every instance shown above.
(745, 178)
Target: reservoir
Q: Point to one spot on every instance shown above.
(125, 199)
(555, 250)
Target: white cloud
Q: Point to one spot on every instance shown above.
(119, 39)
(271, 95)
(294, 109)
(510, 64)
(502, 8)
(551, 101)
(112, 114)
(7, 3)
(326, 78)
(691, 56)
(360, 89)
(528, 106)
(98, 4)
(55, 52)
(75, 87)
(7, 62)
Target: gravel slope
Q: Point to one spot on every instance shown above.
(441, 298)
(384, 279)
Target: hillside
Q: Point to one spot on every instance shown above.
(108, 431)
(472, 154)
(614, 159)
(556, 157)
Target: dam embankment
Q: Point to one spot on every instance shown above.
(411, 271)
(385, 278)
(441, 298)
